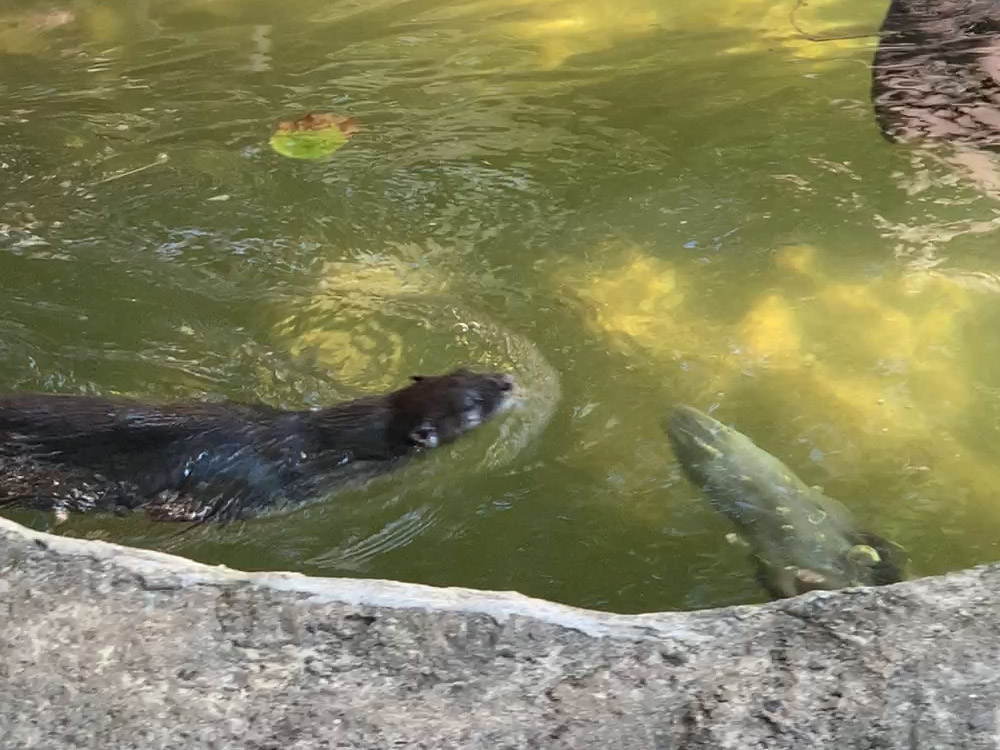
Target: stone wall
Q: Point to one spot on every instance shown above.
(105, 646)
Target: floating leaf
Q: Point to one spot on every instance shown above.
(313, 136)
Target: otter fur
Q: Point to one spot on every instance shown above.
(225, 461)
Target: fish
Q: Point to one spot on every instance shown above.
(799, 539)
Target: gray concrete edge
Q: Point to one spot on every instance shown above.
(161, 570)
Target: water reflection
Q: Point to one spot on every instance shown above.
(935, 76)
(936, 71)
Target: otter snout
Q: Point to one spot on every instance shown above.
(510, 393)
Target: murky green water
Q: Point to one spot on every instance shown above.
(628, 206)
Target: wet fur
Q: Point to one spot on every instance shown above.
(201, 461)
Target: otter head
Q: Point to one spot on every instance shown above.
(437, 409)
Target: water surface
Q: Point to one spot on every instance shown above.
(627, 205)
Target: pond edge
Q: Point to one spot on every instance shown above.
(106, 645)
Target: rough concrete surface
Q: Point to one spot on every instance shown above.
(104, 646)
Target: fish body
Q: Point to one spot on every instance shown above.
(799, 538)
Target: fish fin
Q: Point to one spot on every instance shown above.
(767, 581)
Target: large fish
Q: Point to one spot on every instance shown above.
(801, 540)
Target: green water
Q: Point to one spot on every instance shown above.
(605, 203)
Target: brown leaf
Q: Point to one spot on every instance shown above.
(312, 121)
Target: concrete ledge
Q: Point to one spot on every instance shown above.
(105, 646)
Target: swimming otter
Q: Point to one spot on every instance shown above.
(800, 539)
(936, 72)
(225, 461)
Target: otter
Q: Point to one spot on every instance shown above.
(225, 461)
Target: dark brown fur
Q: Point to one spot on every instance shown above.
(200, 461)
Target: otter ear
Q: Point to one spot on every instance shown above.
(424, 436)
(417, 378)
